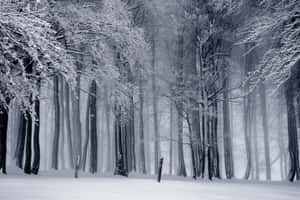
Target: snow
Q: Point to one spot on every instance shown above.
(64, 187)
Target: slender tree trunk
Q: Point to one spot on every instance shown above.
(19, 155)
(147, 136)
(68, 124)
(171, 139)
(27, 166)
(132, 134)
(247, 106)
(55, 145)
(227, 135)
(3, 137)
(280, 141)
(181, 163)
(36, 138)
(62, 122)
(247, 138)
(120, 168)
(216, 157)
(141, 127)
(93, 125)
(87, 130)
(77, 125)
(262, 94)
(109, 141)
(255, 140)
(192, 147)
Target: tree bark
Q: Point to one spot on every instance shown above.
(36, 138)
(27, 166)
(55, 145)
(93, 125)
(292, 131)
(3, 137)
(19, 155)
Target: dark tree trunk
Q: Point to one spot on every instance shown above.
(93, 125)
(36, 142)
(19, 155)
(55, 146)
(120, 168)
(3, 138)
(216, 158)
(27, 166)
(292, 131)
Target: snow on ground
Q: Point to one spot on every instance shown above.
(47, 187)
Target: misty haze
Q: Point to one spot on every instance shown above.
(149, 99)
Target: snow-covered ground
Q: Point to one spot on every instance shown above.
(46, 187)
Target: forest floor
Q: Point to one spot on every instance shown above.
(49, 186)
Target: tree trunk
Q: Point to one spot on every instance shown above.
(93, 125)
(3, 137)
(255, 140)
(141, 127)
(109, 141)
(27, 166)
(262, 94)
(62, 122)
(171, 139)
(192, 147)
(216, 158)
(247, 106)
(87, 130)
(68, 124)
(19, 155)
(292, 131)
(227, 135)
(55, 145)
(181, 164)
(120, 168)
(280, 140)
(36, 138)
(77, 124)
